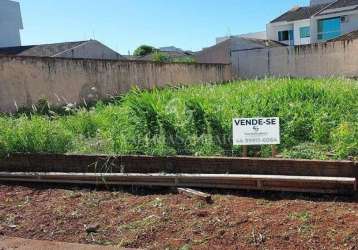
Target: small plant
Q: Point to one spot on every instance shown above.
(257, 238)
(185, 247)
(140, 225)
(42, 106)
(305, 218)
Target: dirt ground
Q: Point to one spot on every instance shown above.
(7, 243)
(158, 219)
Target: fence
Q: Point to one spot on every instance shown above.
(26, 80)
(315, 60)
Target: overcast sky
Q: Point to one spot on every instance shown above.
(126, 24)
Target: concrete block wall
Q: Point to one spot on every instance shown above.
(314, 60)
(26, 80)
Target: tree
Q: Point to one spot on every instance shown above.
(160, 57)
(144, 50)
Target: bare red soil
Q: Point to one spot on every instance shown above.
(159, 220)
(7, 243)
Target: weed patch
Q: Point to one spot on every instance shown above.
(318, 117)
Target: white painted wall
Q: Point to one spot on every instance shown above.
(10, 23)
(272, 30)
(346, 27)
(352, 23)
(297, 25)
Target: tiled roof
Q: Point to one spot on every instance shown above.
(340, 6)
(343, 3)
(15, 50)
(44, 50)
(300, 13)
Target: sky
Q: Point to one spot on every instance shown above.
(124, 25)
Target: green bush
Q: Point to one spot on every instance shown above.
(83, 123)
(307, 151)
(144, 50)
(35, 134)
(184, 59)
(161, 57)
(345, 139)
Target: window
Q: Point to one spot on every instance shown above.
(329, 28)
(286, 35)
(283, 35)
(305, 32)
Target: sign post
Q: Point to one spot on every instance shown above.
(256, 131)
(274, 151)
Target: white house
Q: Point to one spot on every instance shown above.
(321, 21)
(10, 23)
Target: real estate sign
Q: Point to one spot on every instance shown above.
(256, 131)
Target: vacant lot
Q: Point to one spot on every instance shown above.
(160, 220)
(319, 120)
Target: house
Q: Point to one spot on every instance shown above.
(323, 20)
(221, 52)
(90, 49)
(10, 23)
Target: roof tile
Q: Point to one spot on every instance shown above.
(43, 50)
(300, 13)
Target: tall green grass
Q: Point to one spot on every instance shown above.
(317, 117)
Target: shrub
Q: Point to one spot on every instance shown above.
(35, 134)
(184, 59)
(345, 139)
(144, 50)
(83, 122)
(160, 57)
(307, 151)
